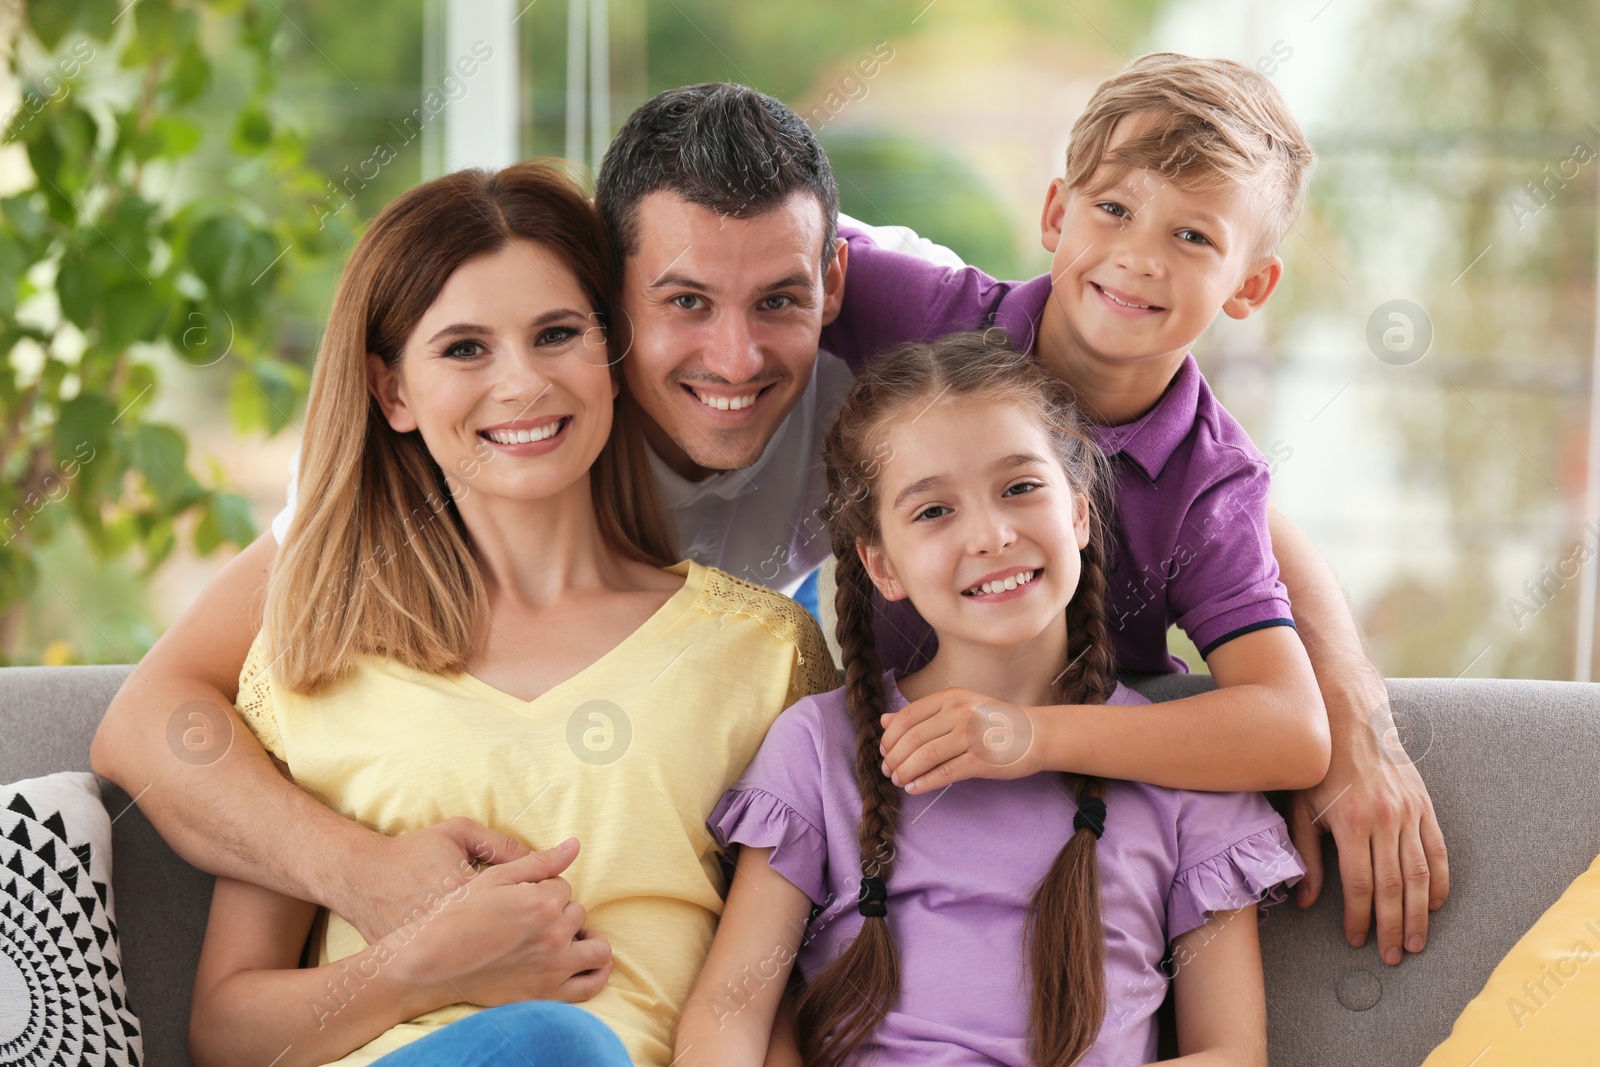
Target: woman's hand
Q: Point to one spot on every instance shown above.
(513, 932)
(392, 879)
(955, 734)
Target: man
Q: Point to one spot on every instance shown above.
(724, 209)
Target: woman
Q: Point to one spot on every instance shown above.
(472, 615)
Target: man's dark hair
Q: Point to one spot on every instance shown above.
(725, 147)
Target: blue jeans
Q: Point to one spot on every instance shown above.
(534, 1033)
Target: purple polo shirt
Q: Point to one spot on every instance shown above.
(967, 862)
(1189, 527)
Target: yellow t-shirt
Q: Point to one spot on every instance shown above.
(629, 756)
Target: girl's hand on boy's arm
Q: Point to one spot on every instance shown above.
(956, 734)
(754, 949)
(1220, 994)
(1262, 728)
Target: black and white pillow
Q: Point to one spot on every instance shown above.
(62, 995)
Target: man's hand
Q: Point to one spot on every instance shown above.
(955, 734)
(396, 880)
(1392, 855)
(509, 934)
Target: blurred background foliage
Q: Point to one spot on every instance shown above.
(154, 221)
(207, 137)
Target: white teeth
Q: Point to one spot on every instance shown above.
(724, 403)
(1124, 303)
(522, 437)
(1004, 584)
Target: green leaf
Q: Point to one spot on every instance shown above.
(229, 255)
(78, 287)
(22, 215)
(50, 22)
(252, 131)
(157, 535)
(14, 262)
(18, 575)
(227, 521)
(247, 407)
(158, 453)
(282, 385)
(59, 150)
(83, 428)
(190, 75)
(123, 251)
(155, 32)
(174, 137)
(97, 18)
(134, 311)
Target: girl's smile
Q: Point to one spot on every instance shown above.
(980, 528)
(1008, 584)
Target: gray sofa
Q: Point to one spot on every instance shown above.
(1512, 767)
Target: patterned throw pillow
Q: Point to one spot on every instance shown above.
(62, 995)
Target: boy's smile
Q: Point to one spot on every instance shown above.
(1140, 268)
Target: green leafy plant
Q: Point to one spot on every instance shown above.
(165, 213)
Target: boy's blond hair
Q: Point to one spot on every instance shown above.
(1204, 124)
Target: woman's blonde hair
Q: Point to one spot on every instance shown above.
(846, 1002)
(377, 560)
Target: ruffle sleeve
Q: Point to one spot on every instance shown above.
(1255, 869)
(755, 817)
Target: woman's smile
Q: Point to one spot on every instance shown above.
(528, 437)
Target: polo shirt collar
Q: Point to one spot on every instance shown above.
(1148, 440)
(1021, 311)
(1151, 439)
(676, 491)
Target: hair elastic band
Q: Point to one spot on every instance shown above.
(874, 896)
(1091, 816)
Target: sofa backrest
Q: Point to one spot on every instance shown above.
(1512, 767)
(47, 718)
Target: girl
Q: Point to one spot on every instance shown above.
(473, 615)
(1016, 919)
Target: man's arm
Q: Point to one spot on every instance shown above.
(1373, 799)
(220, 801)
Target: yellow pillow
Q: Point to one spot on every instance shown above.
(1540, 1004)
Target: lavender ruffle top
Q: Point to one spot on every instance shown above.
(967, 862)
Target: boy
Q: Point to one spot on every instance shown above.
(1182, 177)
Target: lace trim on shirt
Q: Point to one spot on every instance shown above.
(254, 702)
(814, 672)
